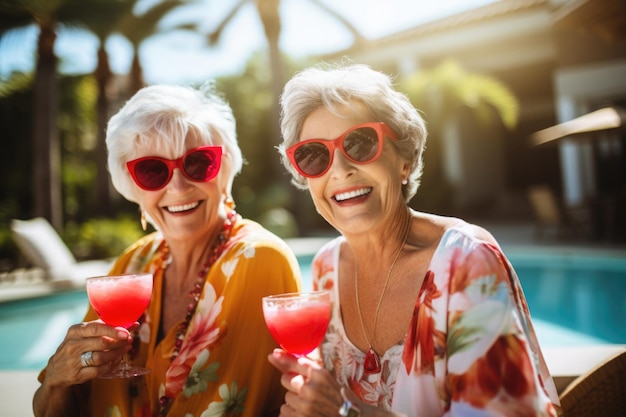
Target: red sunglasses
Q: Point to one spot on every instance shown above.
(153, 173)
(361, 144)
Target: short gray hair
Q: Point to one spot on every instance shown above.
(336, 86)
(163, 119)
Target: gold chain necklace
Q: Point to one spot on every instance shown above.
(372, 360)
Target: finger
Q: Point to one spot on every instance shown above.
(281, 360)
(93, 336)
(292, 404)
(286, 362)
(103, 357)
(287, 411)
(98, 329)
(292, 381)
(316, 405)
(107, 345)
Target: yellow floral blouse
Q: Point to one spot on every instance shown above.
(222, 367)
(470, 349)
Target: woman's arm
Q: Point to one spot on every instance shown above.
(59, 393)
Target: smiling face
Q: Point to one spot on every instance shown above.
(355, 198)
(185, 210)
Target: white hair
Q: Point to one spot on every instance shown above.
(346, 85)
(164, 120)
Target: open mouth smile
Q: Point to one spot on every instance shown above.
(352, 194)
(183, 207)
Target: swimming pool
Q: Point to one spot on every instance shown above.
(574, 299)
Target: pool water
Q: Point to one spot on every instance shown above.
(32, 329)
(573, 300)
(582, 296)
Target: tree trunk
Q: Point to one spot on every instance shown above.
(103, 76)
(47, 201)
(269, 13)
(136, 73)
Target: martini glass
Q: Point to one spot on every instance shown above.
(120, 300)
(298, 321)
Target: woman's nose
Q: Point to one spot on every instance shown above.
(178, 181)
(340, 166)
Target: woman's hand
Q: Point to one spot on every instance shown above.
(311, 389)
(66, 368)
(107, 345)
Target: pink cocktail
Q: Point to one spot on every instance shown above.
(120, 300)
(298, 321)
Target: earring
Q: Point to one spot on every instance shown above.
(229, 203)
(144, 222)
(405, 181)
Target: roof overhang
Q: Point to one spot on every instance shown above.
(606, 19)
(607, 118)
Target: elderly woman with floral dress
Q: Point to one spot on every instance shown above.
(429, 318)
(173, 150)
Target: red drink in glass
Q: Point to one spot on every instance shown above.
(298, 321)
(120, 302)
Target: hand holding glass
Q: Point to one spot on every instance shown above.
(120, 300)
(298, 321)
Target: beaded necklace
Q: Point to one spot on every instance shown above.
(194, 294)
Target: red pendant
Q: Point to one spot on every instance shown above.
(372, 362)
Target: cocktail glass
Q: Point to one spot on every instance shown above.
(298, 321)
(120, 300)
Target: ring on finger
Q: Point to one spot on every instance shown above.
(86, 359)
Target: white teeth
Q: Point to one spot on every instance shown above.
(353, 194)
(183, 207)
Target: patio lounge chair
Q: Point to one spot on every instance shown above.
(599, 392)
(551, 216)
(43, 248)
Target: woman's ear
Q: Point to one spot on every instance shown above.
(406, 171)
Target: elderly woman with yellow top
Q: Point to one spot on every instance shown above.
(429, 318)
(173, 150)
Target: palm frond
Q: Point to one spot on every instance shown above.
(441, 90)
(214, 36)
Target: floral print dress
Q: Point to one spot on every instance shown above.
(222, 367)
(470, 349)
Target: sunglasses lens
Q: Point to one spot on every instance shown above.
(312, 158)
(361, 144)
(151, 174)
(201, 165)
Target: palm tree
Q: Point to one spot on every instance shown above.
(137, 28)
(101, 17)
(104, 19)
(16, 16)
(268, 11)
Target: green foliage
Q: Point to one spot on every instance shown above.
(102, 238)
(16, 83)
(250, 97)
(441, 90)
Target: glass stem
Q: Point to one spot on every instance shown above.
(124, 365)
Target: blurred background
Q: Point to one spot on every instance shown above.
(524, 101)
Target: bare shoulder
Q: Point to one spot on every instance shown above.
(479, 233)
(432, 227)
